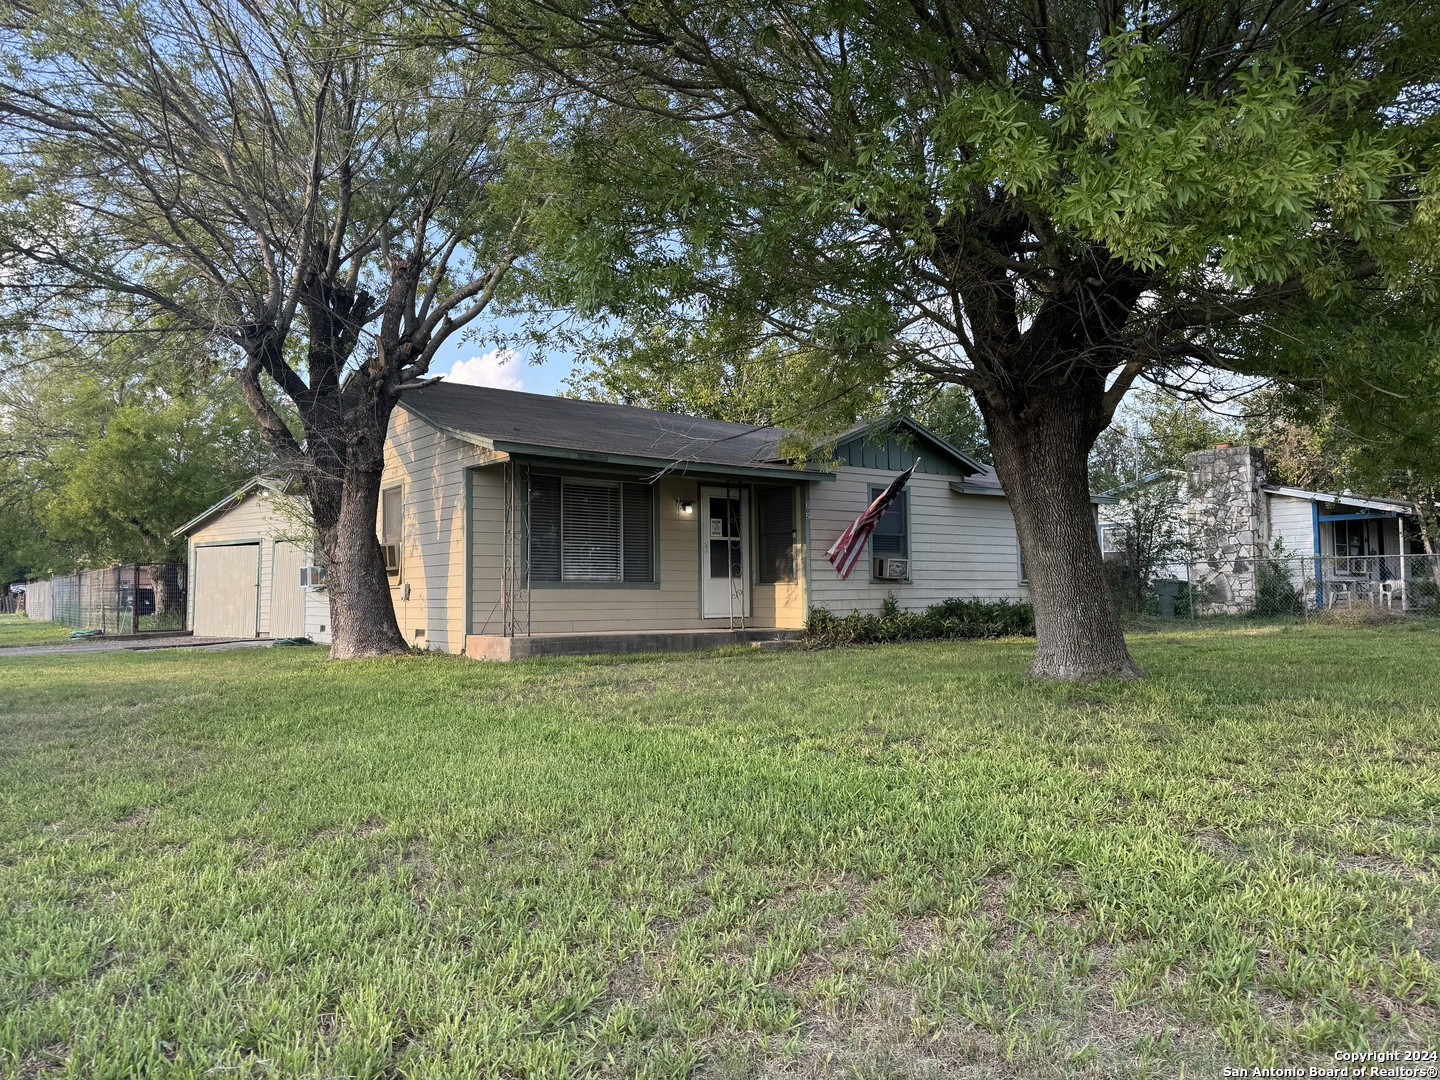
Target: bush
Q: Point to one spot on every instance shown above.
(949, 620)
(1275, 592)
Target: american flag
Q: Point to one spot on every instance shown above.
(846, 551)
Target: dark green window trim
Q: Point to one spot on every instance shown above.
(623, 481)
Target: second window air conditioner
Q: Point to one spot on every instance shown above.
(892, 569)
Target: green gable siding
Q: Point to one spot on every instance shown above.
(894, 455)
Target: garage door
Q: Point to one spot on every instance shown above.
(287, 598)
(227, 593)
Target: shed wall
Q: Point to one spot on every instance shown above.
(278, 523)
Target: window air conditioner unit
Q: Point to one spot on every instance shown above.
(392, 557)
(892, 569)
(312, 577)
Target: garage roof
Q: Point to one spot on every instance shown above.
(259, 483)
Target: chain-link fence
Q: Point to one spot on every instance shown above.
(1280, 584)
(116, 600)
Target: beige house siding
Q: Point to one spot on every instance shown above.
(960, 545)
(782, 605)
(670, 603)
(430, 467)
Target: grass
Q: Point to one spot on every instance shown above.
(892, 861)
(18, 630)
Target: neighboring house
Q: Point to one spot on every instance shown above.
(517, 523)
(1334, 546)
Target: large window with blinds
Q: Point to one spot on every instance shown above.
(585, 530)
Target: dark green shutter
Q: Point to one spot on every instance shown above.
(639, 528)
(776, 528)
(544, 528)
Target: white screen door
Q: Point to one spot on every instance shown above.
(724, 553)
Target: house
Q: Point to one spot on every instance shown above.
(1333, 547)
(516, 524)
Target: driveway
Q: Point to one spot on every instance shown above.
(133, 644)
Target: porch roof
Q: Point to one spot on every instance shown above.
(537, 425)
(1394, 506)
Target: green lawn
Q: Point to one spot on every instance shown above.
(20, 630)
(884, 862)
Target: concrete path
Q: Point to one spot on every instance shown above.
(132, 644)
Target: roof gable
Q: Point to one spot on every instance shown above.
(235, 498)
(895, 443)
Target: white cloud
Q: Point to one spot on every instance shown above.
(498, 368)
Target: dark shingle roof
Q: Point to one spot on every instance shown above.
(540, 426)
(510, 418)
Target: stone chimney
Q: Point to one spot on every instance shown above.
(1226, 510)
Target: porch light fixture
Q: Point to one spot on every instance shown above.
(684, 507)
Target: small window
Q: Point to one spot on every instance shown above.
(1024, 577)
(391, 506)
(891, 538)
(390, 516)
(775, 526)
(591, 530)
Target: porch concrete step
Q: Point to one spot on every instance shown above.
(496, 647)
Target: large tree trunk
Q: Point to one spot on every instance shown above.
(342, 468)
(1042, 454)
(362, 613)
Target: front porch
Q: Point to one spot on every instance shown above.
(612, 642)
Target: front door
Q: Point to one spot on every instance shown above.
(724, 553)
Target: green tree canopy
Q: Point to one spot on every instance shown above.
(104, 454)
(1044, 204)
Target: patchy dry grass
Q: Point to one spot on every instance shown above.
(900, 861)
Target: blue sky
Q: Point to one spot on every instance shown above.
(481, 362)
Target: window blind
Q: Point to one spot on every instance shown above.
(891, 535)
(590, 532)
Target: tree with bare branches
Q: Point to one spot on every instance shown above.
(277, 177)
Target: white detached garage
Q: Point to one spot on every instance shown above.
(247, 554)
